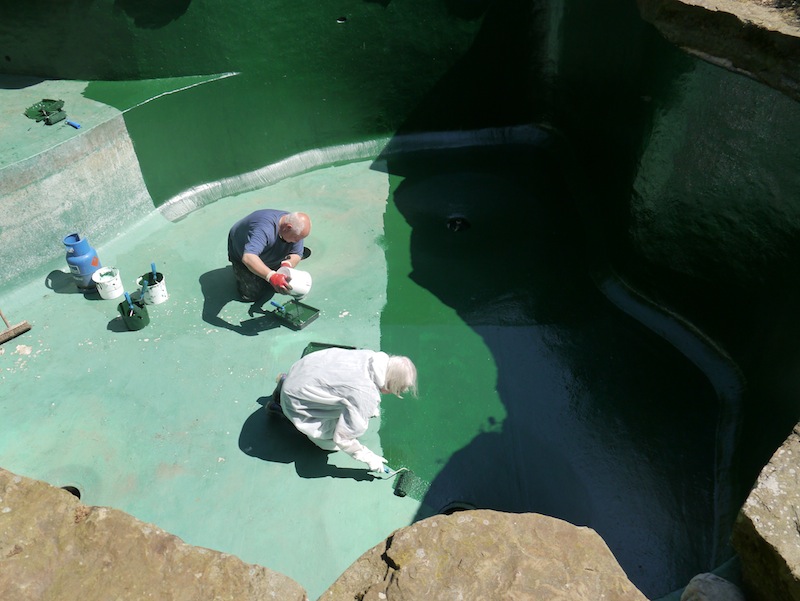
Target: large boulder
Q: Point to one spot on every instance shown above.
(710, 587)
(766, 534)
(482, 554)
(760, 38)
(54, 548)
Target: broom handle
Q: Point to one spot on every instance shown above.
(8, 325)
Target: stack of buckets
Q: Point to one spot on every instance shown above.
(88, 273)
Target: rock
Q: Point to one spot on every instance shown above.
(754, 37)
(54, 548)
(766, 533)
(482, 554)
(709, 587)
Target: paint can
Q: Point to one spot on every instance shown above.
(108, 282)
(135, 318)
(82, 260)
(156, 291)
(299, 280)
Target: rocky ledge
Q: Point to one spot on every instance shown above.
(54, 548)
(766, 534)
(481, 554)
(759, 38)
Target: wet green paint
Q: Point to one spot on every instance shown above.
(125, 95)
(417, 324)
(536, 393)
(305, 80)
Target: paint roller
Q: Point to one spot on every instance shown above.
(406, 482)
(281, 307)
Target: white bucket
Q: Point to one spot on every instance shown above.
(155, 294)
(300, 281)
(108, 282)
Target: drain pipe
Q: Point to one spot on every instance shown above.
(721, 370)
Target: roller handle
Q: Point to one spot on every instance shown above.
(153, 269)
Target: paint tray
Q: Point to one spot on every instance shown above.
(295, 315)
(318, 346)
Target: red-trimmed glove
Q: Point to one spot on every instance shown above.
(286, 263)
(279, 281)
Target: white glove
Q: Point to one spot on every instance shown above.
(375, 462)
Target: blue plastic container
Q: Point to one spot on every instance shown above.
(82, 260)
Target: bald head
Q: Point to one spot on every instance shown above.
(294, 227)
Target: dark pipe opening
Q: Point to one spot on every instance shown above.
(455, 507)
(458, 223)
(73, 490)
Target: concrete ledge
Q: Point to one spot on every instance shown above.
(90, 184)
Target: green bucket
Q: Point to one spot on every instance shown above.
(136, 318)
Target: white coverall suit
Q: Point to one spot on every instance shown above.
(330, 395)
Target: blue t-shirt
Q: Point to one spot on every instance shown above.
(258, 234)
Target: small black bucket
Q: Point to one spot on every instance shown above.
(135, 318)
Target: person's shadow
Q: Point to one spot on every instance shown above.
(273, 438)
(219, 288)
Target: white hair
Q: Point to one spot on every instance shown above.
(298, 222)
(401, 376)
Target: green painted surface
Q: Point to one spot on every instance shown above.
(166, 422)
(417, 322)
(21, 137)
(125, 95)
(685, 180)
(535, 396)
(538, 395)
(305, 81)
